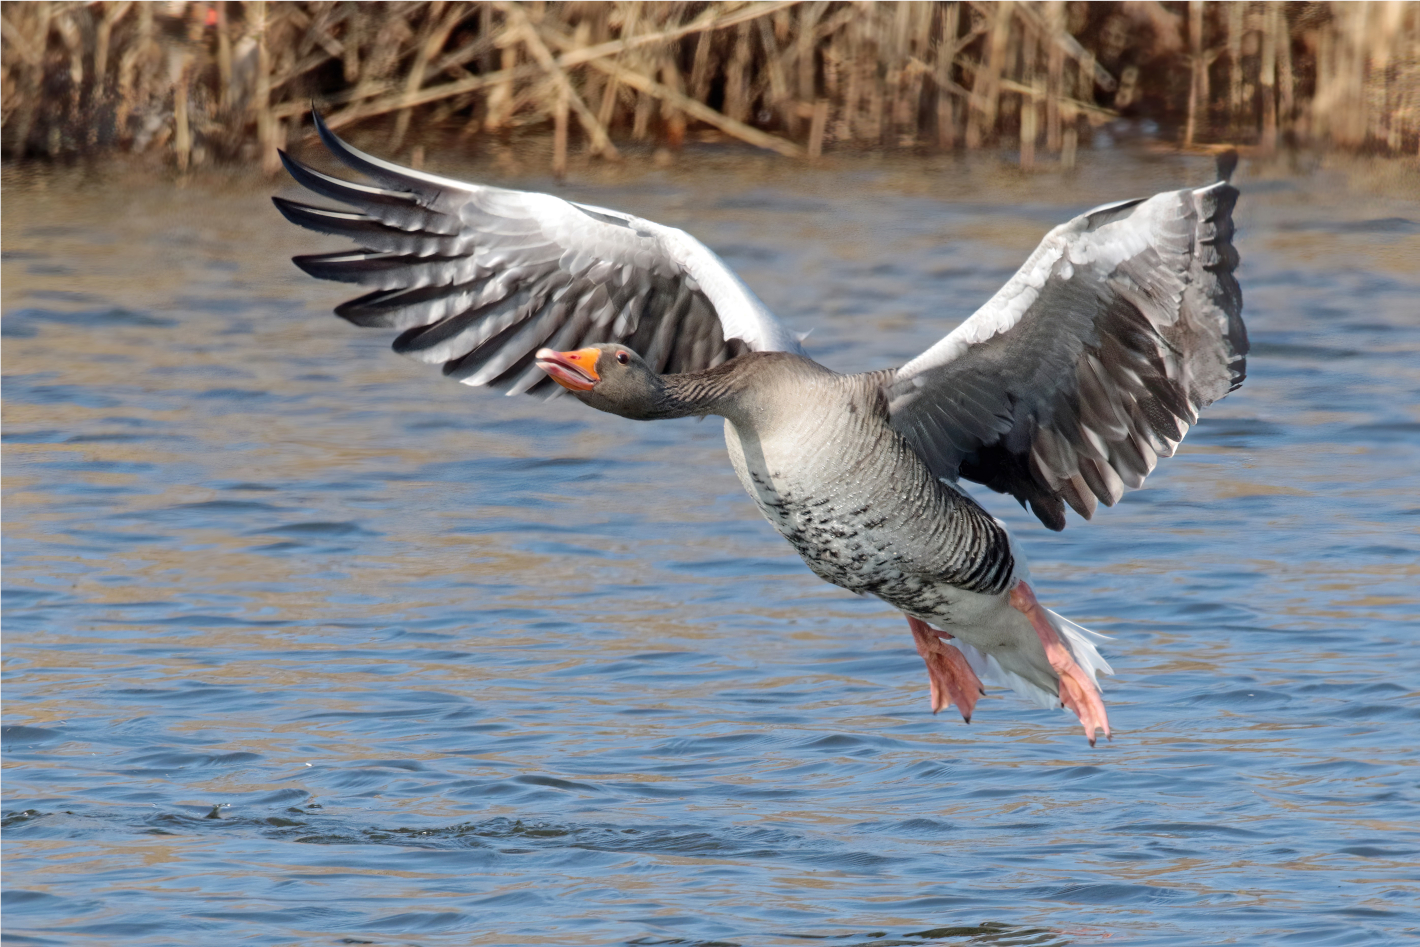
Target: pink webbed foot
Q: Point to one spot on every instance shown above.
(952, 679)
(1077, 690)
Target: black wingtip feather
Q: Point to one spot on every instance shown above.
(281, 205)
(364, 230)
(1227, 164)
(347, 192)
(300, 214)
(353, 266)
(357, 160)
(349, 155)
(322, 129)
(293, 167)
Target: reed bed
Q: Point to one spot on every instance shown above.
(232, 81)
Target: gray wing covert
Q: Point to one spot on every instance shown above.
(479, 278)
(1092, 362)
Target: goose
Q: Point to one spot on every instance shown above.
(1063, 390)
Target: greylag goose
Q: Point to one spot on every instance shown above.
(1065, 388)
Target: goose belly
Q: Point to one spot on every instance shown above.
(833, 511)
(837, 541)
(857, 526)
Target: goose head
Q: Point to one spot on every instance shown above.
(608, 377)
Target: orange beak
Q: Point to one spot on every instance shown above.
(575, 371)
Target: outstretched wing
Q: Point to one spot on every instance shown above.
(479, 278)
(1092, 362)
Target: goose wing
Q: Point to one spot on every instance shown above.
(478, 278)
(1092, 362)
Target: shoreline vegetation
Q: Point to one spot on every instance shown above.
(231, 82)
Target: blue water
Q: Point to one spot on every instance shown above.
(304, 644)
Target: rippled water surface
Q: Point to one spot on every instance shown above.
(305, 645)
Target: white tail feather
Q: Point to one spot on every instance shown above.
(990, 671)
(1081, 642)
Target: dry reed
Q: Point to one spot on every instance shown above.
(232, 80)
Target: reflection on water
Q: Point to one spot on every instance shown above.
(304, 644)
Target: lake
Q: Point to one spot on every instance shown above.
(305, 644)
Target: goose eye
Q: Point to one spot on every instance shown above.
(622, 357)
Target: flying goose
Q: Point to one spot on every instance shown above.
(1065, 388)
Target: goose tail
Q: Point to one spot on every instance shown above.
(1082, 644)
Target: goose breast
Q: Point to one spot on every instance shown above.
(860, 506)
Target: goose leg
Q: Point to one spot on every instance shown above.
(1077, 690)
(952, 679)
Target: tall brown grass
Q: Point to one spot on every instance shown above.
(223, 81)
